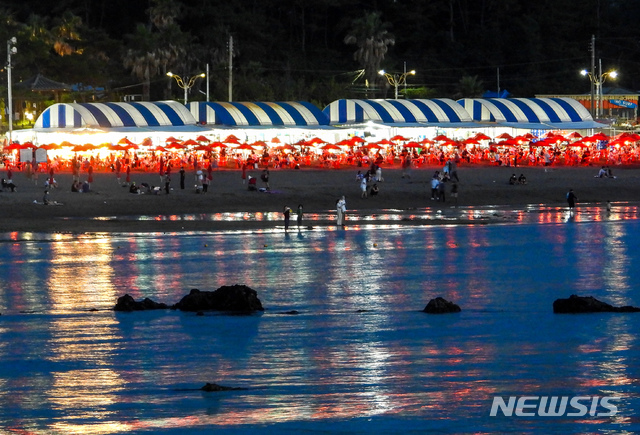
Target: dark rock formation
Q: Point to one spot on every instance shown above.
(292, 312)
(127, 303)
(441, 306)
(588, 304)
(216, 387)
(227, 298)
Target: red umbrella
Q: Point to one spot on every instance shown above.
(259, 144)
(28, 145)
(244, 146)
(147, 142)
(132, 147)
(356, 139)
(413, 145)
(175, 146)
(275, 140)
(345, 142)
(471, 141)
(13, 146)
(190, 142)
(171, 139)
(288, 147)
(399, 138)
(373, 146)
(125, 141)
(330, 146)
(385, 142)
(202, 148)
(232, 139)
(217, 145)
(315, 141)
(159, 148)
(504, 136)
(575, 135)
(202, 139)
(481, 136)
(600, 136)
(426, 141)
(441, 138)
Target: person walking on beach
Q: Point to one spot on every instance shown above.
(265, 178)
(571, 200)
(341, 208)
(435, 182)
(363, 187)
(182, 177)
(287, 213)
(167, 182)
(299, 216)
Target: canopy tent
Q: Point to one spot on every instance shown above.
(437, 112)
(114, 115)
(531, 113)
(292, 114)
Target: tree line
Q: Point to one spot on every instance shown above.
(319, 51)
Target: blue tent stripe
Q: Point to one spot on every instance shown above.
(61, 116)
(126, 119)
(553, 116)
(46, 118)
(384, 115)
(174, 117)
(251, 118)
(77, 119)
(272, 114)
(295, 115)
(149, 117)
(448, 110)
(571, 111)
(426, 110)
(509, 116)
(528, 111)
(103, 121)
(222, 115)
(404, 111)
(321, 117)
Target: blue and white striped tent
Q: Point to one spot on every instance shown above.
(536, 113)
(435, 112)
(287, 114)
(115, 115)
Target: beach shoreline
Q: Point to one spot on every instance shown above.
(228, 205)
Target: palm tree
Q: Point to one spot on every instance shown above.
(469, 87)
(143, 59)
(370, 34)
(66, 32)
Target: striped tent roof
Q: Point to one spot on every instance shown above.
(398, 112)
(564, 113)
(113, 115)
(290, 114)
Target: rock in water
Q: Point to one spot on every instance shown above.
(588, 304)
(441, 306)
(239, 298)
(127, 303)
(216, 387)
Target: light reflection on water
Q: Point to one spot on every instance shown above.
(67, 369)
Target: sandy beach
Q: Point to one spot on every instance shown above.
(111, 208)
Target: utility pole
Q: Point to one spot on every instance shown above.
(230, 68)
(593, 74)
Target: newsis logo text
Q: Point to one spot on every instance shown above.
(554, 406)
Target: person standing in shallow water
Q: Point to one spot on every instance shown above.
(571, 199)
(287, 214)
(341, 208)
(299, 216)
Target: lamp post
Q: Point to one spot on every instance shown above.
(187, 83)
(397, 79)
(598, 81)
(11, 49)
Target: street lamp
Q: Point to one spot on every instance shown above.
(11, 49)
(598, 81)
(186, 84)
(396, 80)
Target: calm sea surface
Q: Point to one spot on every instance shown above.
(360, 357)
